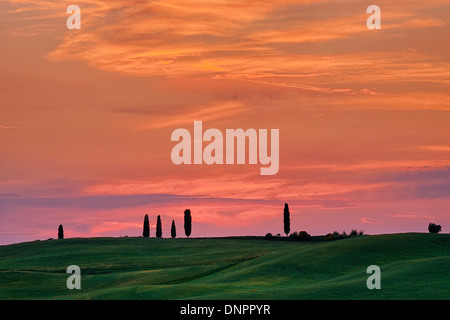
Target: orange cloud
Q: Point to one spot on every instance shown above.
(179, 38)
(437, 148)
(227, 187)
(209, 112)
(10, 127)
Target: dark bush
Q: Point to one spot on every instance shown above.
(434, 228)
(354, 232)
(268, 236)
(329, 237)
(304, 236)
(361, 233)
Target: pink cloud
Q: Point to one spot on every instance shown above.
(411, 216)
(370, 221)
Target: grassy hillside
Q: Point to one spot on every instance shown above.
(413, 266)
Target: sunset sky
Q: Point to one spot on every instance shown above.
(86, 116)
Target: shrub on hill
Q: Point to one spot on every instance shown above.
(434, 228)
(355, 233)
(329, 237)
(294, 236)
(304, 236)
(336, 235)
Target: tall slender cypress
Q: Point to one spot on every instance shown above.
(146, 231)
(158, 227)
(60, 232)
(286, 219)
(187, 222)
(173, 230)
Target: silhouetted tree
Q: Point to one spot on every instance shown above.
(286, 219)
(158, 227)
(60, 232)
(187, 222)
(434, 228)
(268, 236)
(304, 236)
(173, 230)
(294, 235)
(329, 237)
(146, 231)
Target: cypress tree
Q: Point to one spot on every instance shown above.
(286, 219)
(60, 232)
(173, 230)
(187, 222)
(158, 227)
(146, 231)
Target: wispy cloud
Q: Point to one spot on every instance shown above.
(314, 88)
(371, 221)
(216, 187)
(209, 112)
(10, 127)
(436, 148)
(411, 216)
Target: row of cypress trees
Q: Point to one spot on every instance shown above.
(188, 225)
(173, 230)
(146, 231)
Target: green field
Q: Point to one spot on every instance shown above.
(413, 266)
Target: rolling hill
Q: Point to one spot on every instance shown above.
(413, 266)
